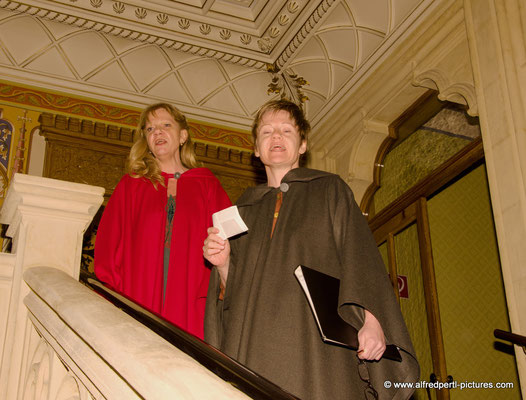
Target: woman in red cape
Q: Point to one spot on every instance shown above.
(149, 242)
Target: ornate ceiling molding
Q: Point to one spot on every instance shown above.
(255, 44)
(304, 32)
(186, 52)
(160, 38)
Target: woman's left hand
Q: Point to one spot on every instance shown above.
(371, 339)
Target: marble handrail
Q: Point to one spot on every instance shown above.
(111, 354)
(223, 366)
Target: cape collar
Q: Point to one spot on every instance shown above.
(254, 194)
(191, 173)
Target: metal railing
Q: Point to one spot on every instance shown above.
(519, 340)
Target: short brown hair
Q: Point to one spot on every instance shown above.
(296, 113)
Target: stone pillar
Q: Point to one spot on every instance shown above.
(47, 219)
(497, 43)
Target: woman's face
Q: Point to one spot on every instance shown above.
(278, 141)
(164, 135)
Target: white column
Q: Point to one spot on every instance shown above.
(498, 53)
(47, 219)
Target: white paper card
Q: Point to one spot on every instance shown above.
(229, 222)
(301, 279)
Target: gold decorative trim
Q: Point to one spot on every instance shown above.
(38, 99)
(221, 136)
(288, 86)
(79, 109)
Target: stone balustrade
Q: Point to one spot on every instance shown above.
(58, 338)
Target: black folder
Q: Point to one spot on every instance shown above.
(322, 292)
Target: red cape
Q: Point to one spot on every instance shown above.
(130, 239)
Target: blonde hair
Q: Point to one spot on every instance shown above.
(141, 162)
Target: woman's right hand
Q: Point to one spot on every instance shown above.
(217, 252)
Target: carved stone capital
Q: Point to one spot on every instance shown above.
(448, 87)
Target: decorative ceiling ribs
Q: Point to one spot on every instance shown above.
(210, 57)
(154, 24)
(303, 33)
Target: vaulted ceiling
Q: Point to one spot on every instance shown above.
(218, 60)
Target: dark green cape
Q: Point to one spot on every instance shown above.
(265, 321)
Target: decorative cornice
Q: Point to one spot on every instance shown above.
(182, 31)
(86, 128)
(166, 29)
(303, 33)
(222, 155)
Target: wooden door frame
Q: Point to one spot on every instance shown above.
(411, 208)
